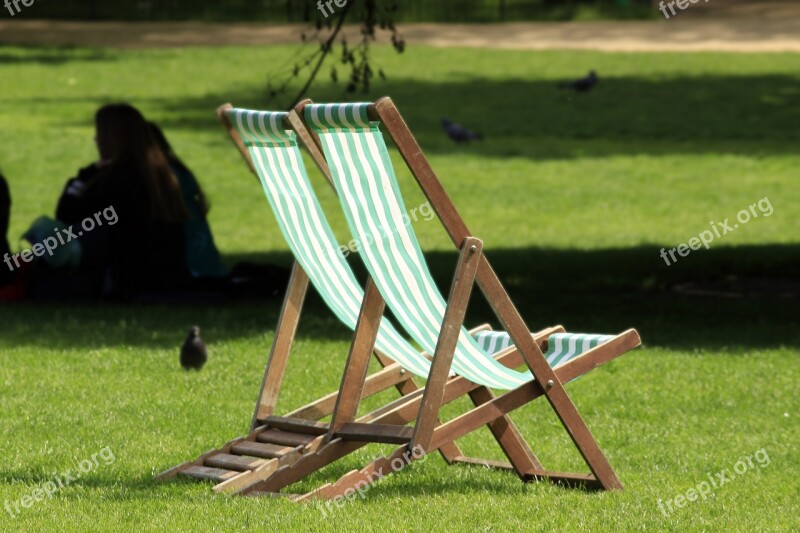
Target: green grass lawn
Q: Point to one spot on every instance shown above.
(574, 196)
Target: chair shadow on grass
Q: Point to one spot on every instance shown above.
(415, 478)
(409, 481)
(88, 480)
(727, 297)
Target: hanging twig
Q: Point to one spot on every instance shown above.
(376, 14)
(326, 49)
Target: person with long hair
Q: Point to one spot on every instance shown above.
(144, 251)
(202, 256)
(244, 279)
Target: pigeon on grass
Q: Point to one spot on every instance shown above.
(193, 352)
(583, 84)
(459, 133)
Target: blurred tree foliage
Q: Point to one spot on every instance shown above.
(294, 11)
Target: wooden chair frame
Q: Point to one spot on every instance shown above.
(277, 442)
(348, 398)
(345, 434)
(306, 445)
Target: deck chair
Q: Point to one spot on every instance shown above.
(272, 153)
(365, 182)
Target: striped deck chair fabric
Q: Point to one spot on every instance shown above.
(365, 181)
(282, 173)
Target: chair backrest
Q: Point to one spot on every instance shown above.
(365, 181)
(280, 168)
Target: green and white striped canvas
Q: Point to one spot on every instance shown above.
(368, 191)
(283, 176)
(561, 346)
(565, 346)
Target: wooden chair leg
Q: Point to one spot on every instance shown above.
(450, 452)
(281, 345)
(522, 458)
(460, 291)
(355, 370)
(553, 388)
(513, 399)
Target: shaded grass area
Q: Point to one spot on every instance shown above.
(574, 195)
(549, 286)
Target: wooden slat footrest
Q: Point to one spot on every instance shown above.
(296, 425)
(260, 449)
(203, 472)
(563, 478)
(284, 438)
(238, 463)
(386, 433)
(489, 463)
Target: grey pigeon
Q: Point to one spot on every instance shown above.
(583, 84)
(459, 133)
(193, 352)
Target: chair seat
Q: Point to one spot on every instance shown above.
(561, 346)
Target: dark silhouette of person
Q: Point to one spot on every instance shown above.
(144, 250)
(202, 256)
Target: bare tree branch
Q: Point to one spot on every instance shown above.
(375, 14)
(326, 49)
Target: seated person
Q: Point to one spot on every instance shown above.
(144, 250)
(202, 256)
(138, 215)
